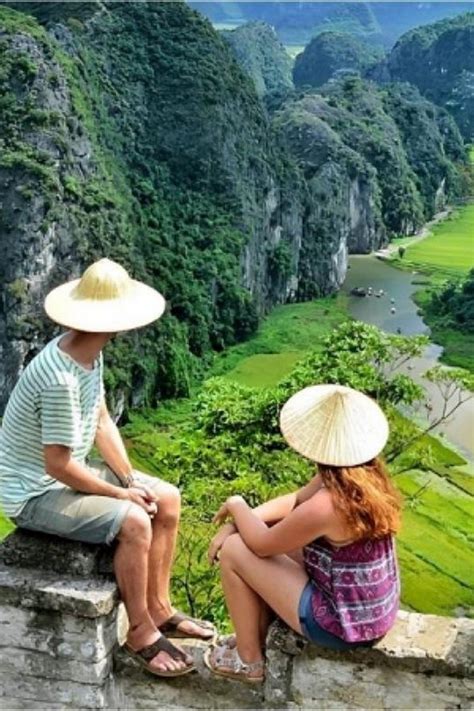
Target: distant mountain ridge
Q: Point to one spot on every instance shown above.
(298, 22)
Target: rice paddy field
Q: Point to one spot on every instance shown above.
(285, 336)
(448, 252)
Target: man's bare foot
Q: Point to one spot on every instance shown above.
(187, 626)
(145, 634)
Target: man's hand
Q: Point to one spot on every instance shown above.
(218, 541)
(141, 495)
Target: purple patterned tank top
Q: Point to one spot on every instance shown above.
(356, 587)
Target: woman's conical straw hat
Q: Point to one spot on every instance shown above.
(334, 425)
(104, 300)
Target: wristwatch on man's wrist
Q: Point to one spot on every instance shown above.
(128, 480)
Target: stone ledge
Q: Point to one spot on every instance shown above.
(28, 588)
(27, 549)
(62, 636)
(417, 643)
(198, 690)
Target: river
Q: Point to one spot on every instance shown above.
(368, 271)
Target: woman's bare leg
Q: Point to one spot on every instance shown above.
(249, 581)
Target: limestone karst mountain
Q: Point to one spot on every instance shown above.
(129, 129)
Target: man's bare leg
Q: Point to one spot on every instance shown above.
(160, 559)
(131, 571)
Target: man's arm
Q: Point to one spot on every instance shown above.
(62, 466)
(110, 444)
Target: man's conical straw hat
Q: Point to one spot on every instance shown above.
(334, 425)
(104, 300)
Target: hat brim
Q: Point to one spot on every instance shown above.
(140, 306)
(334, 425)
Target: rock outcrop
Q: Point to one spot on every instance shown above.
(332, 53)
(342, 198)
(262, 56)
(439, 60)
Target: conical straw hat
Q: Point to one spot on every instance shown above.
(104, 300)
(334, 425)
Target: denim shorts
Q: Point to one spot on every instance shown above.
(314, 632)
(89, 518)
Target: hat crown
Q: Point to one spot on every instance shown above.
(334, 425)
(103, 280)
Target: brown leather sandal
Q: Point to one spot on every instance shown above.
(170, 627)
(146, 654)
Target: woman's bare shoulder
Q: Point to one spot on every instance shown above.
(321, 503)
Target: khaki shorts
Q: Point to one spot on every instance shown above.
(89, 518)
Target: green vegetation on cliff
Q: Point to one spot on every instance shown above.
(408, 150)
(332, 52)
(262, 56)
(439, 60)
(120, 138)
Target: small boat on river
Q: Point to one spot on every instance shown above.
(358, 291)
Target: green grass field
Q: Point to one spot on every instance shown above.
(448, 251)
(284, 337)
(446, 254)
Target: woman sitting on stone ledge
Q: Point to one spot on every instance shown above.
(322, 558)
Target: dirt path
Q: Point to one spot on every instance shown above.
(392, 249)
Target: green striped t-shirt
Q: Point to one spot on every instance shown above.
(55, 401)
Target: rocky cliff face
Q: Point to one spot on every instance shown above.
(439, 60)
(43, 150)
(132, 132)
(342, 197)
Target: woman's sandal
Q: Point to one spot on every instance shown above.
(234, 667)
(146, 654)
(230, 641)
(170, 627)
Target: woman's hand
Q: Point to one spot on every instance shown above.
(218, 541)
(225, 510)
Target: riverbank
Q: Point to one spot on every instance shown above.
(445, 253)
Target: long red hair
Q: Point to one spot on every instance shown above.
(365, 496)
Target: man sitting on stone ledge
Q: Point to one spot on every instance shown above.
(55, 414)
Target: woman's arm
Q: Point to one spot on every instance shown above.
(276, 509)
(308, 521)
(269, 512)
